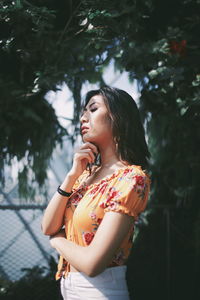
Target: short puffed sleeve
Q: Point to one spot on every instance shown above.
(128, 194)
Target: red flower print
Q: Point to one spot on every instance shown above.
(178, 47)
(139, 183)
(76, 198)
(112, 194)
(103, 187)
(103, 205)
(93, 191)
(99, 220)
(113, 205)
(99, 188)
(139, 180)
(126, 171)
(88, 237)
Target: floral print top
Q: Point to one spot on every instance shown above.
(125, 191)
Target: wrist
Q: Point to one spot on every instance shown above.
(68, 182)
(64, 193)
(72, 175)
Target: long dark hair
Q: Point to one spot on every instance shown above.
(127, 128)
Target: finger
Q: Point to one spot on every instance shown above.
(91, 146)
(84, 155)
(88, 156)
(90, 152)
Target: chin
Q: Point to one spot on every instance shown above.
(87, 138)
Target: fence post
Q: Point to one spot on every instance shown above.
(168, 251)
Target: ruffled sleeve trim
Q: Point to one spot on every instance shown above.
(123, 210)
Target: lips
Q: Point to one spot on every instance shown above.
(84, 129)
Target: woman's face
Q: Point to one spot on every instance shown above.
(96, 123)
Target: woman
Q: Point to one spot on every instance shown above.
(98, 203)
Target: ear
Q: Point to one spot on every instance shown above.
(110, 117)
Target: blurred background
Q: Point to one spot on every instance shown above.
(51, 54)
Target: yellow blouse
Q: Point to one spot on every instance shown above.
(125, 191)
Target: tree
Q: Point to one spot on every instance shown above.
(157, 42)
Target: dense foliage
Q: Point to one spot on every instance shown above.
(36, 283)
(44, 43)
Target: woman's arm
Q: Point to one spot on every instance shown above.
(94, 258)
(53, 217)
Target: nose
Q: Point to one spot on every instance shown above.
(84, 118)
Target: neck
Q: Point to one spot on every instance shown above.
(109, 156)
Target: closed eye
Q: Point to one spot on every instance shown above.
(93, 109)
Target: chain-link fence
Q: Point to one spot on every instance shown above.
(27, 262)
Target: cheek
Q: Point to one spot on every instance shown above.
(103, 120)
(104, 127)
(107, 122)
(100, 124)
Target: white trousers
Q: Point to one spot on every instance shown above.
(108, 285)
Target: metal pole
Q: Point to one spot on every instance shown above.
(167, 212)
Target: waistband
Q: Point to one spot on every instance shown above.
(116, 272)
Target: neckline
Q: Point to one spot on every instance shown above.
(108, 177)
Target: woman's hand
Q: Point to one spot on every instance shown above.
(84, 155)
